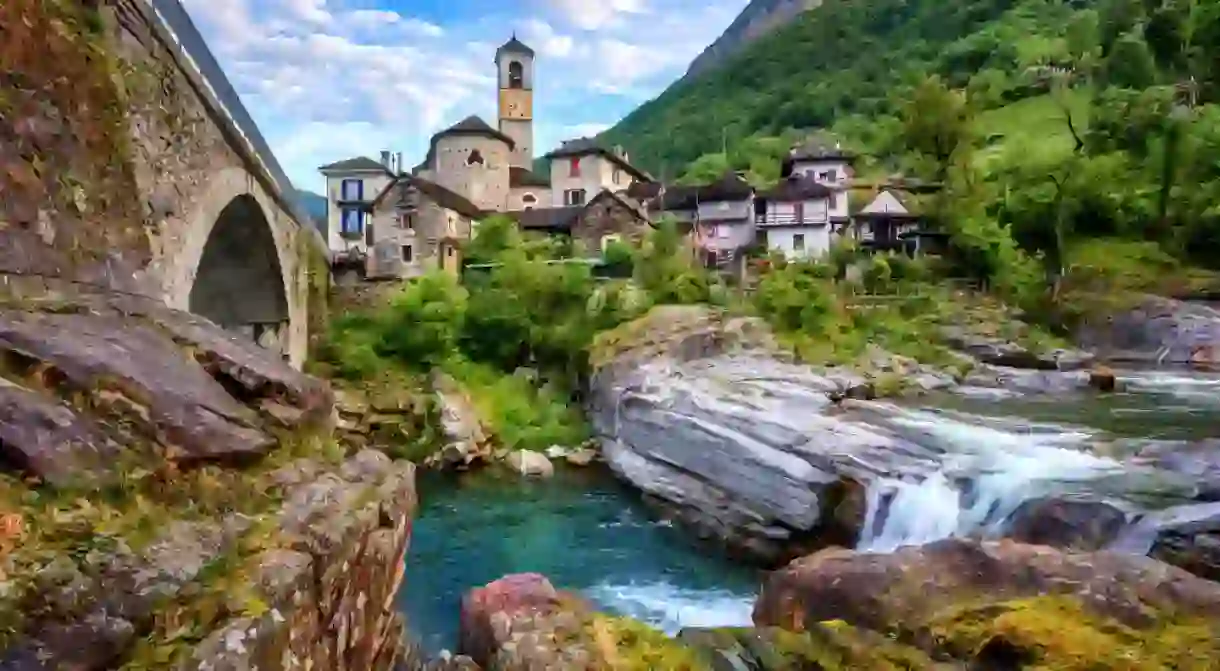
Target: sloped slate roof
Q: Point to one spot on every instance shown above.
(730, 186)
(559, 219)
(450, 200)
(514, 46)
(356, 163)
(584, 146)
(518, 177)
(474, 125)
(820, 150)
(799, 188)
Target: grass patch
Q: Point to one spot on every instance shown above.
(521, 413)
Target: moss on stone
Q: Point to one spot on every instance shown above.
(1058, 633)
(624, 644)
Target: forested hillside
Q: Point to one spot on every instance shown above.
(1053, 123)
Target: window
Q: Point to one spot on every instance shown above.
(516, 75)
(449, 251)
(798, 242)
(406, 253)
(474, 158)
(618, 176)
(798, 212)
(351, 221)
(406, 221)
(722, 231)
(529, 199)
(610, 239)
(574, 197)
(574, 166)
(368, 234)
(351, 189)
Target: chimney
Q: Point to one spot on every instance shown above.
(398, 163)
(385, 159)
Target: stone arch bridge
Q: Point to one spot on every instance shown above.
(192, 207)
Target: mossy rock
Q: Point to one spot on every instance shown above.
(1057, 633)
(829, 646)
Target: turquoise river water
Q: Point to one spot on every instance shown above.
(583, 531)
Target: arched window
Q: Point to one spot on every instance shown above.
(516, 75)
(475, 157)
(529, 199)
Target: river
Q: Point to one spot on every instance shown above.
(589, 534)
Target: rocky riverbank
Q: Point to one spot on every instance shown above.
(953, 604)
(173, 498)
(775, 459)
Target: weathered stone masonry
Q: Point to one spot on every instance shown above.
(150, 211)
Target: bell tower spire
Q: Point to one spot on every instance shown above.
(515, 76)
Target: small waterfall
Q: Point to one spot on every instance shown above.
(989, 468)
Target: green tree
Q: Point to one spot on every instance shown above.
(1130, 63)
(937, 124)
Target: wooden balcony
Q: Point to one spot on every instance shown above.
(808, 219)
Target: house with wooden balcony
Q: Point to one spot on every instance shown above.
(794, 217)
(829, 164)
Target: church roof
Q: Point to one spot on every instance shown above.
(355, 163)
(514, 46)
(584, 146)
(474, 125)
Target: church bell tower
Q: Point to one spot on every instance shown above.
(515, 68)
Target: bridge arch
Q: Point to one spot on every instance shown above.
(236, 265)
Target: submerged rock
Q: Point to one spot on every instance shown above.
(1000, 352)
(1067, 523)
(1160, 330)
(530, 464)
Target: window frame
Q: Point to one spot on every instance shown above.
(569, 198)
(798, 242)
(344, 194)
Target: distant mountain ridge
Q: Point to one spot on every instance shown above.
(314, 205)
(759, 18)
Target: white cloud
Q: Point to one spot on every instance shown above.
(597, 14)
(327, 79)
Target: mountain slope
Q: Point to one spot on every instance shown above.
(315, 206)
(844, 57)
(759, 18)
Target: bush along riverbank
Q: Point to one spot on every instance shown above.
(493, 368)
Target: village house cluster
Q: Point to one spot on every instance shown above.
(385, 222)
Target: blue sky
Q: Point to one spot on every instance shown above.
(330, 79)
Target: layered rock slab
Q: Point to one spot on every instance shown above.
(114, 378)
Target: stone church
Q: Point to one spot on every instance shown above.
(413, 222)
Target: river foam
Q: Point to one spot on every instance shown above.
(989, 467)
(669, 607)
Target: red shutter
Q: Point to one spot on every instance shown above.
(574, 170)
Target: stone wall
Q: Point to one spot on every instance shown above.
(115, 165)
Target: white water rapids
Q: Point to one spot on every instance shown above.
(991, 465)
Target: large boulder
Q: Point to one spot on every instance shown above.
(722, 432)
(1007, 605)
(1161, 330)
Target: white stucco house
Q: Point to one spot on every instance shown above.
(794, 217)
(831, 166)
(351, 186)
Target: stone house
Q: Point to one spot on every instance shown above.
(724, 221)
(582, 168)
(794, 217)
(417, 225)
(609, 216)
